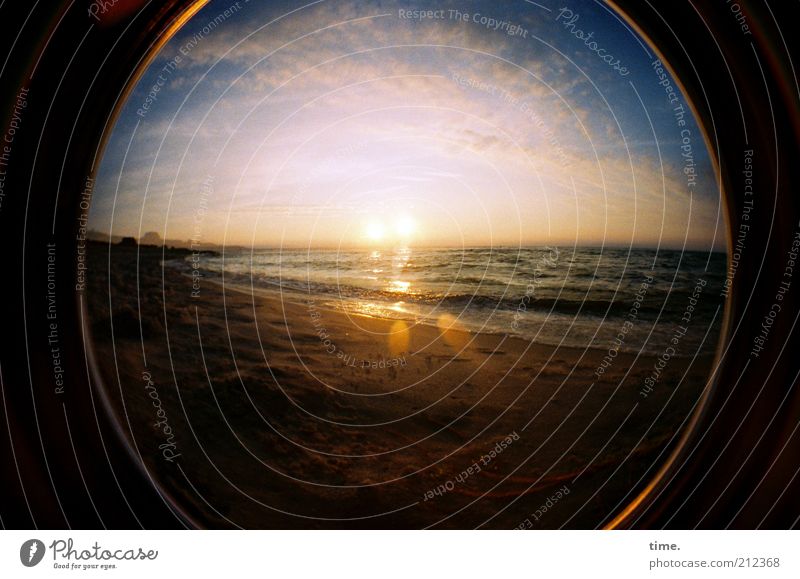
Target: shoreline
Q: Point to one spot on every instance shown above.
(279, 294)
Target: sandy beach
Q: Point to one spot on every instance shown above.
(269, 410)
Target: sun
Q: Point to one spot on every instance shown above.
(399, 230)
(375, 231)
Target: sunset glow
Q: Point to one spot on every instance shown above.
(379, 129)
(375, 231)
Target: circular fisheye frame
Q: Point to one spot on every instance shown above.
(378, 264)
(439, 267)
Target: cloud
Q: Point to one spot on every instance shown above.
(301, 115)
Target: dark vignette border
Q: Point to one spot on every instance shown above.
(744, 91)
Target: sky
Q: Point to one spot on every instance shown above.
(340, 124)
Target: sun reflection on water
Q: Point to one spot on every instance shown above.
(399, 286)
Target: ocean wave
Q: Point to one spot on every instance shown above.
(585, 282)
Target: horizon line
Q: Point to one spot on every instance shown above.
(181, 244)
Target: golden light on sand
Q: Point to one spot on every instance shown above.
(453, 334)
(399, 337)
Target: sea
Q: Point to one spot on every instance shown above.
(634, 300)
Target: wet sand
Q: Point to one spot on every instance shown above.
(272, 411)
